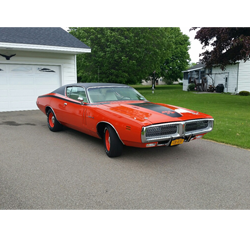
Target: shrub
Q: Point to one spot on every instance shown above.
(244, 93)
(191, 87)
(169, 82)
(180, 83)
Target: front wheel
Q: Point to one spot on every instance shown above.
(113, 145)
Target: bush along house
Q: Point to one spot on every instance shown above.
(233, 79)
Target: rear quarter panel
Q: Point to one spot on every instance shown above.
(42, 102)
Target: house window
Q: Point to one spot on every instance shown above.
(192, 74)
(203, 73)
(209, 71)
(22, 69)
(185, 75)
(45, 70)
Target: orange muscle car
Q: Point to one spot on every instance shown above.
(120, 115)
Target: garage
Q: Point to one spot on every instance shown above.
(20, 85)
(35, 61)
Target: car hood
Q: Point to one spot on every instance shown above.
(151, 113)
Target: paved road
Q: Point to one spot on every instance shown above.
(40, 169)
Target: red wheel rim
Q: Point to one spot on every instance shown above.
(51, 120)
(107, 140)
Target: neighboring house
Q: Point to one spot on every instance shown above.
(235, 78)
(35, 61)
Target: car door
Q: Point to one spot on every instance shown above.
(73, 109)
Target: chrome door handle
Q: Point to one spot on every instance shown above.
(65, 103)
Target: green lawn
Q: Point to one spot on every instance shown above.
(230, 112)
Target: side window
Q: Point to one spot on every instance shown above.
(81, 94)
(76, 93)
(68, 91)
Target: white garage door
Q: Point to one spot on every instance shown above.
(20, 85)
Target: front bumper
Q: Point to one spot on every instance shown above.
(169, 131)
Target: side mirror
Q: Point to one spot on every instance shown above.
(81, 100)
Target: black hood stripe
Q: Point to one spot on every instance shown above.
(158, 108)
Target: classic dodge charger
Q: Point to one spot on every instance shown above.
(120, 115)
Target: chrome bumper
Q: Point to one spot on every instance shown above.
(182, 129)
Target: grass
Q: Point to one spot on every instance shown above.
(230, 112)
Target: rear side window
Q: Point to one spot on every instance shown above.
(76, 93)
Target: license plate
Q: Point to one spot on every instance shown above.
(177, 142)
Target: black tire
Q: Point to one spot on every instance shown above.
(53, 124)
(112, 144)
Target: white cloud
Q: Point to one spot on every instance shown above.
(196, 47)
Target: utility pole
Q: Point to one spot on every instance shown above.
(153, 83)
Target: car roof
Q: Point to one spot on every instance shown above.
(94, 84)
(61, 89)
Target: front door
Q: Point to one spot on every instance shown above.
(73, 109)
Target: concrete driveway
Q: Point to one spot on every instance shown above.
(40, 169)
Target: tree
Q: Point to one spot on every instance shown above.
(229, 45)
(179, 58)
(123, 55)
(190, 65)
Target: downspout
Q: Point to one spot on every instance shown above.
(236, 89)
(75, 68)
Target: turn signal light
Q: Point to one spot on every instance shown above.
(151, 144)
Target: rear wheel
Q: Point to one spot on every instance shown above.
(113, 145)
(53, 124)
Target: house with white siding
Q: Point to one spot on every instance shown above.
(35, 61)
(235, 78)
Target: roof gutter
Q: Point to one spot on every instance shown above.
(195, 69)
(44, 48)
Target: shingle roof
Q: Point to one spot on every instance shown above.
(49, 36)
(200, 65)
(195, 67)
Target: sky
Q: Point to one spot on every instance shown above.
(131, 13)
(196, 47)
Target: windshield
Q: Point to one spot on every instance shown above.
(103, 94)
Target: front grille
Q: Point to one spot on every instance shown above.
(163, 130)
(197, 125)
(166, 131)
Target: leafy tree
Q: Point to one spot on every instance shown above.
(179, 58)
(190, 65)
(229, 45)
(123, 55)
